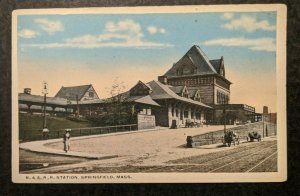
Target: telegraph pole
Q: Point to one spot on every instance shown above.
(263, 124)
(77, 103)
(224, 112)
(45, 92)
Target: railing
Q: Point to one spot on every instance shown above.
(33, 135)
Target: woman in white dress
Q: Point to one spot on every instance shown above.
(67, 136)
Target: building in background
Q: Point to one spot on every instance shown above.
(268, 116)
(193, 91)
(78, 93)
(206, 78)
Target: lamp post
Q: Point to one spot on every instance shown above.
(45, 92)
(68, 106)
(77, 103)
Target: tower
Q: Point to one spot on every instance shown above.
(196, 71)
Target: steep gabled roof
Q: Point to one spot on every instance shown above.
(73, 91)
(140, 86)
(198, 58)
(192, 91)
(126, 97)
(143, 99)
(218, 64)
(177, 89)
(161, 91)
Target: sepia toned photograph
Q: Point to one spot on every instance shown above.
(149, 94)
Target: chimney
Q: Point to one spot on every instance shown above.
(27, 91)
(265, 110)
(163, 79)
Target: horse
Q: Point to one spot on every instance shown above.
(254, 135)
(230, 137)
(189, 124)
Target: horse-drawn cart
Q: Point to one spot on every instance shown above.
(230, 137)
(253, 136)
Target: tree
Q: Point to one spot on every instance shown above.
(116, 109)
(114, 104)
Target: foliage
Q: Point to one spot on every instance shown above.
(112, 119)
(116, 111)
(77, 119)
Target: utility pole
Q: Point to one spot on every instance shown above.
(45, 92)
(263, 118)
(224, 112)
(77, 103)
(68, 106)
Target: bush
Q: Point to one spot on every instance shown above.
(112, 119)
(77, 119)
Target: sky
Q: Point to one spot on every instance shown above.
(97, 49)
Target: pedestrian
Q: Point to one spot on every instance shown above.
(45, 133)
(67, 137)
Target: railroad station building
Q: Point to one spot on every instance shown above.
(197, 73)
(178, 105)
(194, 90)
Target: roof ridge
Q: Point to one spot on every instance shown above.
(174, 95)
(205, 58)
(76, 86)
(165, 88)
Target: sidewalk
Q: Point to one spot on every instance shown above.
(39, 146)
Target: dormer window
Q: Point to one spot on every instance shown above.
(185, 93)
(222, 72)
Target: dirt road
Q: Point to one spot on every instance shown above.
(153, 147)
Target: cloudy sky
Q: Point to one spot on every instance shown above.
(69, 50)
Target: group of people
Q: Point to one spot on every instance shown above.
(66, 137)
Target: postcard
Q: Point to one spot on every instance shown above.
(162, 94)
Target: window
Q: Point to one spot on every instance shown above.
(197, 115)
(186, 114)
(91, 94)
(148, 111)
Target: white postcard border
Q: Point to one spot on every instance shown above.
(279, 176)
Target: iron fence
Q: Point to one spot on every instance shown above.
(33, 135)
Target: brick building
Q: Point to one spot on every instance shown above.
(207, 78)
(197, 72)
